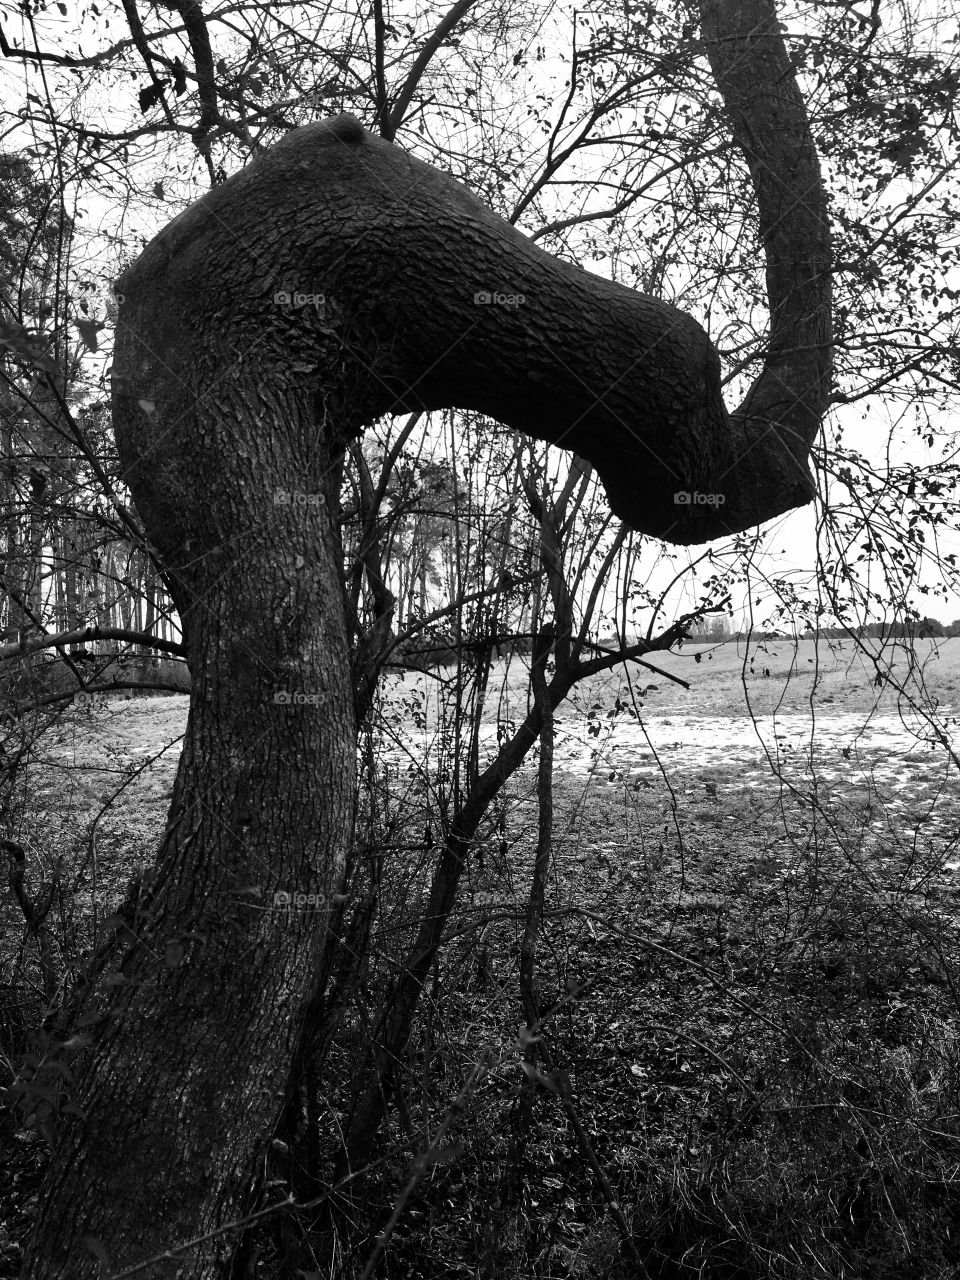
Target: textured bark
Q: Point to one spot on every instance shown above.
(781, 415)
(395, 258)
(203, 994)
(333, 280)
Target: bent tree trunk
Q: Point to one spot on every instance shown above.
(333, 280)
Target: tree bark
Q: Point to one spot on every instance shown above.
(337, 256)
(335, 279)
(779, 419)
(201, 1000)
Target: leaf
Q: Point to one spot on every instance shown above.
(150, 95)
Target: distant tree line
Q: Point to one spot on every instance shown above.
(900, 629)
(718, 630)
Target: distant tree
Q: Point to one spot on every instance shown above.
(34, 241)
(930, 628)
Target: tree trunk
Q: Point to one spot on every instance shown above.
(333, 280)
(204, 992)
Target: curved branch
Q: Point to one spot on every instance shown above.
(420, 297)
(782, 413)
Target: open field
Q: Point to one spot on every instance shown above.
(750, 964)
(817, 728)
(814, 720)
(775, 676)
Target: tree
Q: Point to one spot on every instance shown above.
(369, 284)
(928, 628)
(35, 242)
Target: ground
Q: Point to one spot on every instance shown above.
(749, 961)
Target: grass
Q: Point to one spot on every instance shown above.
(839, 677)
(761, 1042)
(751, 976)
